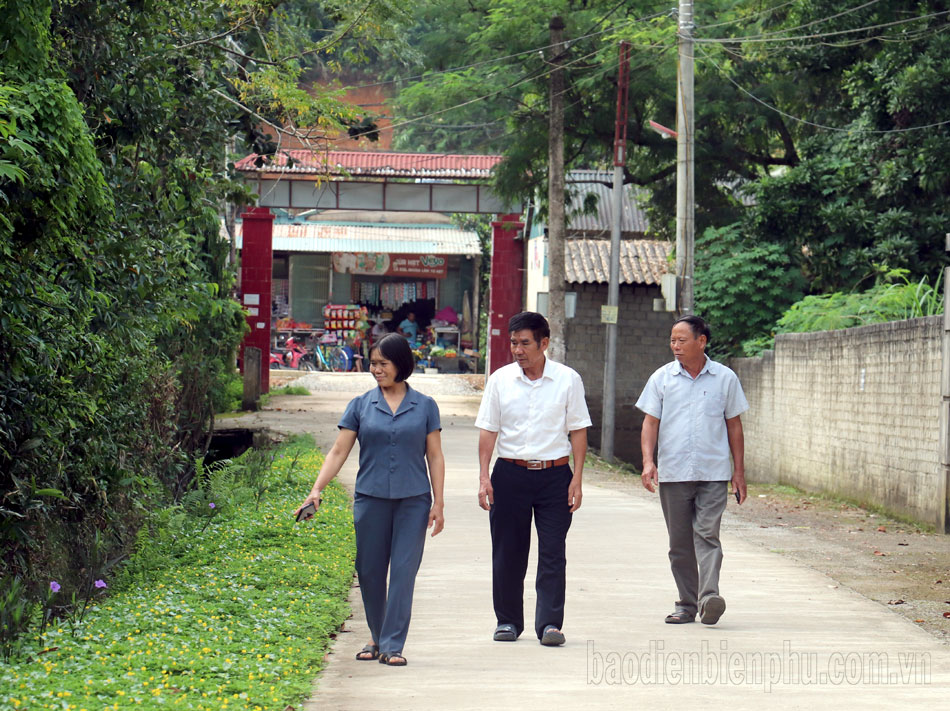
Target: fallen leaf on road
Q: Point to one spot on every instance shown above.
(895, 602)
(947, 615)
(918, 620)
(882, 529)
(903, 544)
(879, 553)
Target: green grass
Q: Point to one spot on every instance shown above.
(290, 390)
(286, 390)
(834, 500)
(239, 618)
(618, 465)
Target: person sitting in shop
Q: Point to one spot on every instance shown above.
(354, 359)
(409, 328)
(377, 331)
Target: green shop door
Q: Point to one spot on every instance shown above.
(309, 287)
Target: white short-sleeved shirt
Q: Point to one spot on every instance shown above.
(533, 417)
(693, 444)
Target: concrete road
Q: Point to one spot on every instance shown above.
(790, 638)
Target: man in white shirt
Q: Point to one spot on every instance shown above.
(692, 408)
(534, 409)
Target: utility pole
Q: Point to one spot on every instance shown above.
(943, 512)
(556, 226)
(685, 193)
(611, 316)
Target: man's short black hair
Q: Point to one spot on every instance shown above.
(697, 325)
(534, 322)
(395, 348)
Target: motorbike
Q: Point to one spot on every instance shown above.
(295, 355)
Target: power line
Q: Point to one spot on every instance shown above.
(764, 38)
(806, 122)
(476, 99)
(818, 21)
(903, 37)
(531, 76)
(746, 18)
(506, 57)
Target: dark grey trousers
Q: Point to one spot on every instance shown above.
(390, 536)
(693, 512)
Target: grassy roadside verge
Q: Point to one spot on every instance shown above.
(239, 619)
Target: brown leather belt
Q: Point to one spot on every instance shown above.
(538, 463)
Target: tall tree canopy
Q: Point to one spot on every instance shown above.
(830, 119)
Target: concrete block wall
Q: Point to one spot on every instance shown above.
(643, 345)
(851, 412)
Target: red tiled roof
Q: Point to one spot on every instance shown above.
(379, 164)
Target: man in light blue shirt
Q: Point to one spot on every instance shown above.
(692, 409)
(409, 328)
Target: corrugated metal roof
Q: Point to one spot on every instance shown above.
(375, 164)
(394, 239)
(581, 183)
(642, 261)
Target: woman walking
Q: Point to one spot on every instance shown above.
(399, 433)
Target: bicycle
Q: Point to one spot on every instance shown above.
(330, 359)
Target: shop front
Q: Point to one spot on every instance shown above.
(348, 284)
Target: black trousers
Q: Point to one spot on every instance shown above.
(519, 493)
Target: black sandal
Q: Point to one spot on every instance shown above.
(680, 617)
(395, 659)
(371, 649)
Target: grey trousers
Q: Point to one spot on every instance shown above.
(390, 535)
(693, 512)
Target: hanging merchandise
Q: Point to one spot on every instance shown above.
(342, 322)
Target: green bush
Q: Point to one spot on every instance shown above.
(895, 298)
(741, 288)
(228, 393)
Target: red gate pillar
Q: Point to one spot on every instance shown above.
(256, 272)
(506, 287)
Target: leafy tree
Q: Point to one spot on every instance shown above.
(117, 322)
(768, 80)
(743, 287)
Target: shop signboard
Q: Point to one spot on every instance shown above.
(430, 266)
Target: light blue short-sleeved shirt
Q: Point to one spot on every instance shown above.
(693, 444)
(410, 328)
(392, 447)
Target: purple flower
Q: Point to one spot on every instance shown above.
(54, 586)
(100, 584)
(211, 505)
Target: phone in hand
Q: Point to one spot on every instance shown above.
(737, 496)
(309, 510)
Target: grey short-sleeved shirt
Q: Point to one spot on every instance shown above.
(392, 447)
(693, 444)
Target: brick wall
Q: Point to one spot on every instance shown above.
(643, 345)
(852, 412)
